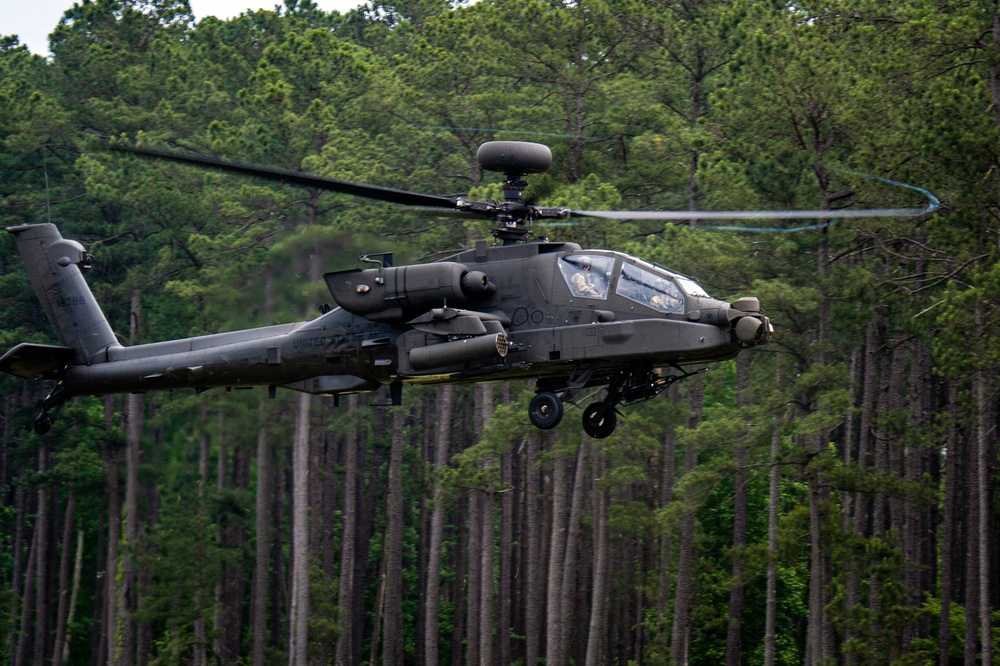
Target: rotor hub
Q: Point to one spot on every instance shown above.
(514, 159)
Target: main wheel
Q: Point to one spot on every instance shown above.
(599, 420)
(545, 410)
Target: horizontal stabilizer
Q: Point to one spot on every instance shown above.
(29, 360)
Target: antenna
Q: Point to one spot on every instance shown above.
(48, 201)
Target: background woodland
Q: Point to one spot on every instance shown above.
(827, 499)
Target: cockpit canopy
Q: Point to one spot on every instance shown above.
(587, 275)
(593, 276)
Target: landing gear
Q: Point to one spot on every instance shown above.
(600, 420)
(624, 387)
(49, 409)
(42, 423)
(545, 410)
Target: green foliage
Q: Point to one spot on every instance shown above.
(188, 567)
(323, 627)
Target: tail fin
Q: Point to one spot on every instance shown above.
(54, 267)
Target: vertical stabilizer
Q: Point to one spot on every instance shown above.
(54, 266)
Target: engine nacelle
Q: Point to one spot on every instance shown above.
(399, 293)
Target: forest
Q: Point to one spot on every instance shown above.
(829, 498)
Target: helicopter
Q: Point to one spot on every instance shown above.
(569, 318)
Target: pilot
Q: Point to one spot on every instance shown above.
(662, 300)
(582, 286)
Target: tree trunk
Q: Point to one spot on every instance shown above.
(18, 582)
(479, 579)
(666, 543)
(487, 583)
(571, 557)
(42, 561)
(445, 398)
(504, 601)
(533, 526)
(27, 602)
(298, 613)
(487, 565)
(888, 385)
(111, 469)
(71, 613)
(983, 477)
(348, 540)
(134, 412)
(597, 652)
(685, 564)
(145, 573)
(869, 401)
(392, 651)
(817, 598)
(733, 643)
(557, 549)
(379, 609)
(262, 540)
(232, 588)
(771, 595)
(200, 648)
(98, 647)
(914, 527)
(64, 594)
(849, 508)
(971, 543)
(854, 368)
(948, 533)
(460, 563)
(474, 576)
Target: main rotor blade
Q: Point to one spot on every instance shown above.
(750, 214)
(296, 178)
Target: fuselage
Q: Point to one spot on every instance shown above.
(629, 313)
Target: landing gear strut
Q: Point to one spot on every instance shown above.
(49, 408)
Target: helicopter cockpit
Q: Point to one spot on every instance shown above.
(587, 275)
(645, 287)
(591, 275)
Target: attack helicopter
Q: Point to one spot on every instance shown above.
(569, 318)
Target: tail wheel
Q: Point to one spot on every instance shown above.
(545, 410)
(599, 420)
(43, 423)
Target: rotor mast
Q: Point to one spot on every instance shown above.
(514, 159)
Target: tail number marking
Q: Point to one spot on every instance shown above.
(70, 301)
